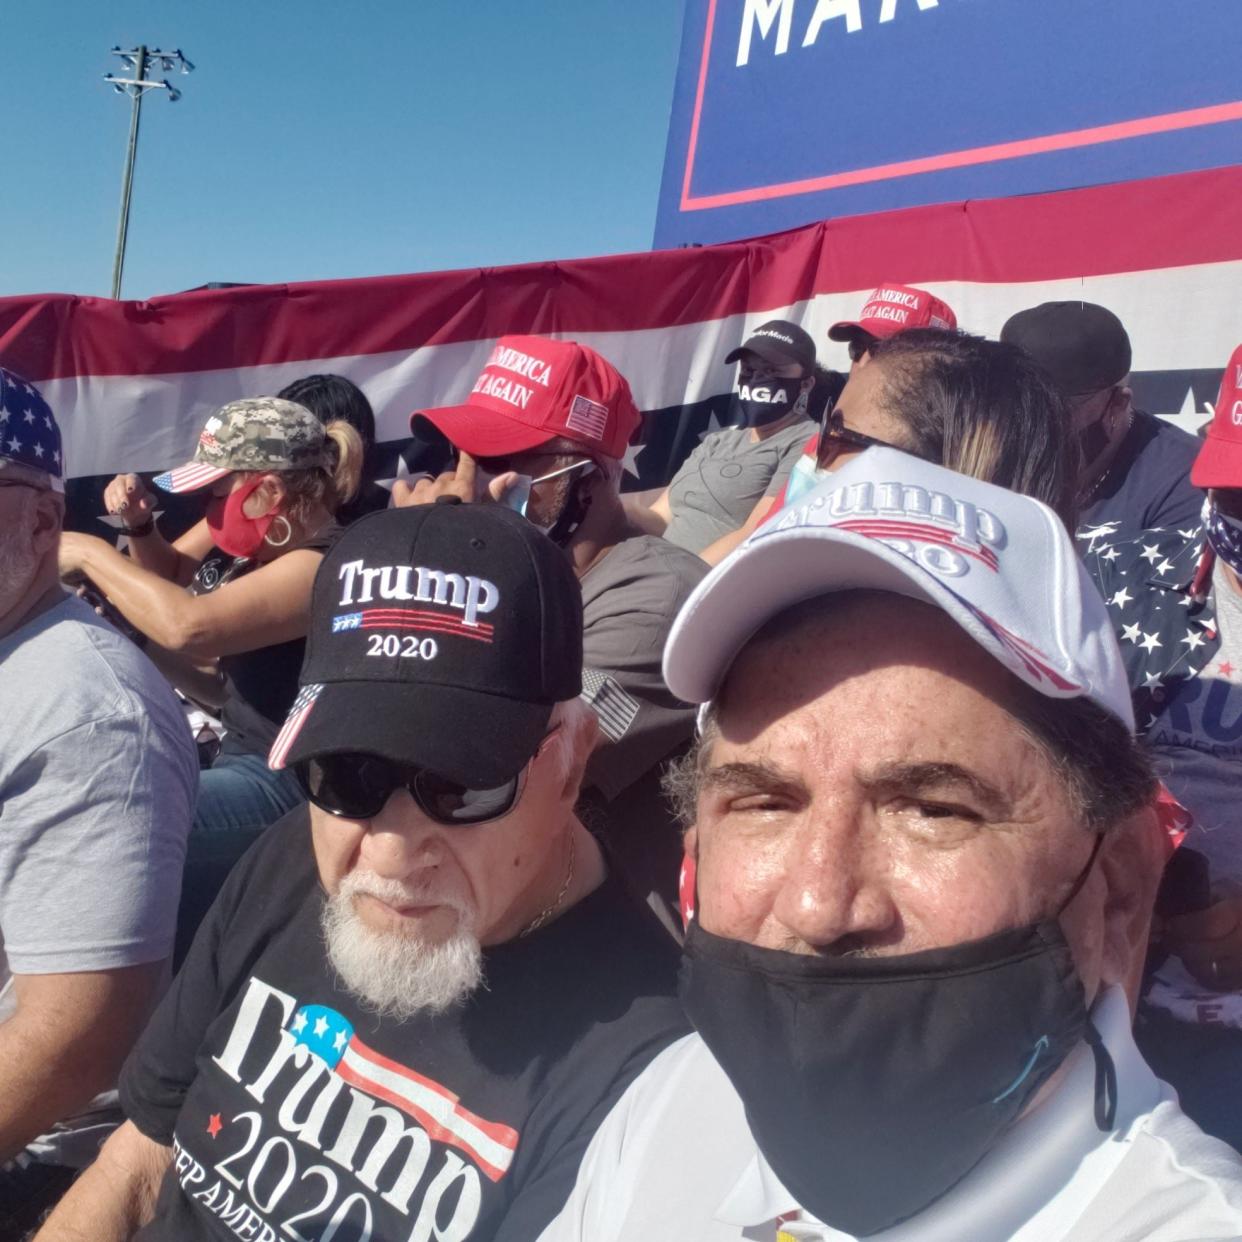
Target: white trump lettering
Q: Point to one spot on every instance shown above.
(473, 596)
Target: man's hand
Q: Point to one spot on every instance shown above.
(127, 496)
(1209, 942)
(467, 482)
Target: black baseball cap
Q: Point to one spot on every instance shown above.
(1083, 347)
(441, 636)
(779, 342)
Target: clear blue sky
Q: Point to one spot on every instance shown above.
(318, 140)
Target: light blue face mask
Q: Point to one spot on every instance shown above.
(802, 478)
(517, 497)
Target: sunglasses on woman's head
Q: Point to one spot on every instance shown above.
(836, 438)
(358, 786)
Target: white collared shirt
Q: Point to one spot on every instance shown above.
(675, 1160)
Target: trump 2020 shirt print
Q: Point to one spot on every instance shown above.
(294, 1112)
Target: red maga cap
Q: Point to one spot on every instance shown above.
(533, 390)
(894, 308)
(1219, 463)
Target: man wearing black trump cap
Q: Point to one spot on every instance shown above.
(729, 482)
(416, 998)
(1136, 467)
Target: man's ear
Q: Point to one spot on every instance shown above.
(49, 518)
(585, 737)
(1131, 861)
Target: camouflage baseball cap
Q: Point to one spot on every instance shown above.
(257, 433)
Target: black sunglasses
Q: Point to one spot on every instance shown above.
(836, 438)
(860, 344)
(358, 786)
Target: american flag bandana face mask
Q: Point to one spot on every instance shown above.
(1224, 534)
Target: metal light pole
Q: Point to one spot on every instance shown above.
(138, 60)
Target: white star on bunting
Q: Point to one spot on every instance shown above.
(629, 462)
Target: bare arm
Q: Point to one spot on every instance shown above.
(116, 1195)
(651, 519)
(714, 553)
(269, 606)
(175, 562)
(65, 1044)
(201, 681)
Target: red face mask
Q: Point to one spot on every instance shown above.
(232, 530)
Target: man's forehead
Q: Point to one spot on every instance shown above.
(864, 668)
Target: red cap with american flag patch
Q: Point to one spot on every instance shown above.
(534, 389)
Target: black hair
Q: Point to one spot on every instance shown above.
(333, 398)
(982, 408)
(825, 392)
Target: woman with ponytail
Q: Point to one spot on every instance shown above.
(275, 478)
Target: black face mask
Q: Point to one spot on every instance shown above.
(766, 399)
(874, 1084)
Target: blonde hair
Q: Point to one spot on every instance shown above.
(307, 489)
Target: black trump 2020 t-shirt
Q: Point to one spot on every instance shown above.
(294, 1113)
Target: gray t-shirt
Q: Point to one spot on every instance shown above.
(725, 477)
(1197, 741)
(629, 601)
(98, 776)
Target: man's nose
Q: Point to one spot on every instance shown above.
(401, 839)
(835, 893)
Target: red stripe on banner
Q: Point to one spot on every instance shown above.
(693, 146)
(1177, 221)
(1166, 123)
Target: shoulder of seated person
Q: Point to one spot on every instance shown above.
(92, 668)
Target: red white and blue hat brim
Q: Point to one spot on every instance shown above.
(190, 477)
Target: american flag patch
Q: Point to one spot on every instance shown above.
(294, 722)
(189, 477)
(346, 621)
(588, 418)
(611, 704)
(331, 1037)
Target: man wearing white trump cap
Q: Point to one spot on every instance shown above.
(925, 855)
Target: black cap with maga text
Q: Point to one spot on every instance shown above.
(441, 636)
(779, 342)
(1083, 347)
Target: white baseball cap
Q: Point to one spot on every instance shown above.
(1000, 564)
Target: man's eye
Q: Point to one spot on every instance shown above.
(945, 810)
(758, 803)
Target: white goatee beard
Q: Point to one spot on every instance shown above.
(397, 975)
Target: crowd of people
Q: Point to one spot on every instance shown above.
(838, 843)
